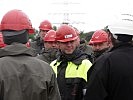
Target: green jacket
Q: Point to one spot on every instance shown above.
(48, 55)
(23, 77)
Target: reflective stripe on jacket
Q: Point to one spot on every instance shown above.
(74, 71)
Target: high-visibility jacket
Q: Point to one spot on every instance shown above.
(72, 80)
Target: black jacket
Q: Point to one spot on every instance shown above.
(71, 88)
(111, 76)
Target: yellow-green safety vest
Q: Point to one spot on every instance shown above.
(72, 71)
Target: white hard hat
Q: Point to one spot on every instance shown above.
(124, 25)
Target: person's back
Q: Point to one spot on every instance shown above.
(111, 76)
(115, 69)
(121, 72)
(22, 76)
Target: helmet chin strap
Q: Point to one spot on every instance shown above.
(115, 36)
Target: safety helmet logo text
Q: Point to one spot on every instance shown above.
(68, 36)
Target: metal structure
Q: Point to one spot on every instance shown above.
(66, 14)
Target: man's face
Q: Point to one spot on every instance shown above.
(68, 47)
(50, 44)
(100, 46)
(43, 33)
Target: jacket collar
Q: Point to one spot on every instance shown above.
(16, 49)
(120, 45)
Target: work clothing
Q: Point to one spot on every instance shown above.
(48, 55)
(23, 77)
(71, 71)
(97, 54)
(38, 45)
(84, 47)
(111, 76)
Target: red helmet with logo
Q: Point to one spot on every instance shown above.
(50, 36)
(99, 36)
(16, 20)
(45, 25)
(66, 33)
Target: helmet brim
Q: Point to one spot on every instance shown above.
(96, 42)
(12, 33)
(68, 39)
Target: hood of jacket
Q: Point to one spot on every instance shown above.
(48, 55)
(16, 49)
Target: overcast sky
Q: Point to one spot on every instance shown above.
(86, 15)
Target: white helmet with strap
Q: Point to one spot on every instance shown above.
(124, 25)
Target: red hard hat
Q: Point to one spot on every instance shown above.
(66, 33)
(99, 36)
(16, 20)
(45, 25)
(2, 44)
(50, 36)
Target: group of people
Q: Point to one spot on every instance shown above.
(65, 67)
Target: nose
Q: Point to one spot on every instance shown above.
(54, 45)
(96, 47)
(68, 43)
